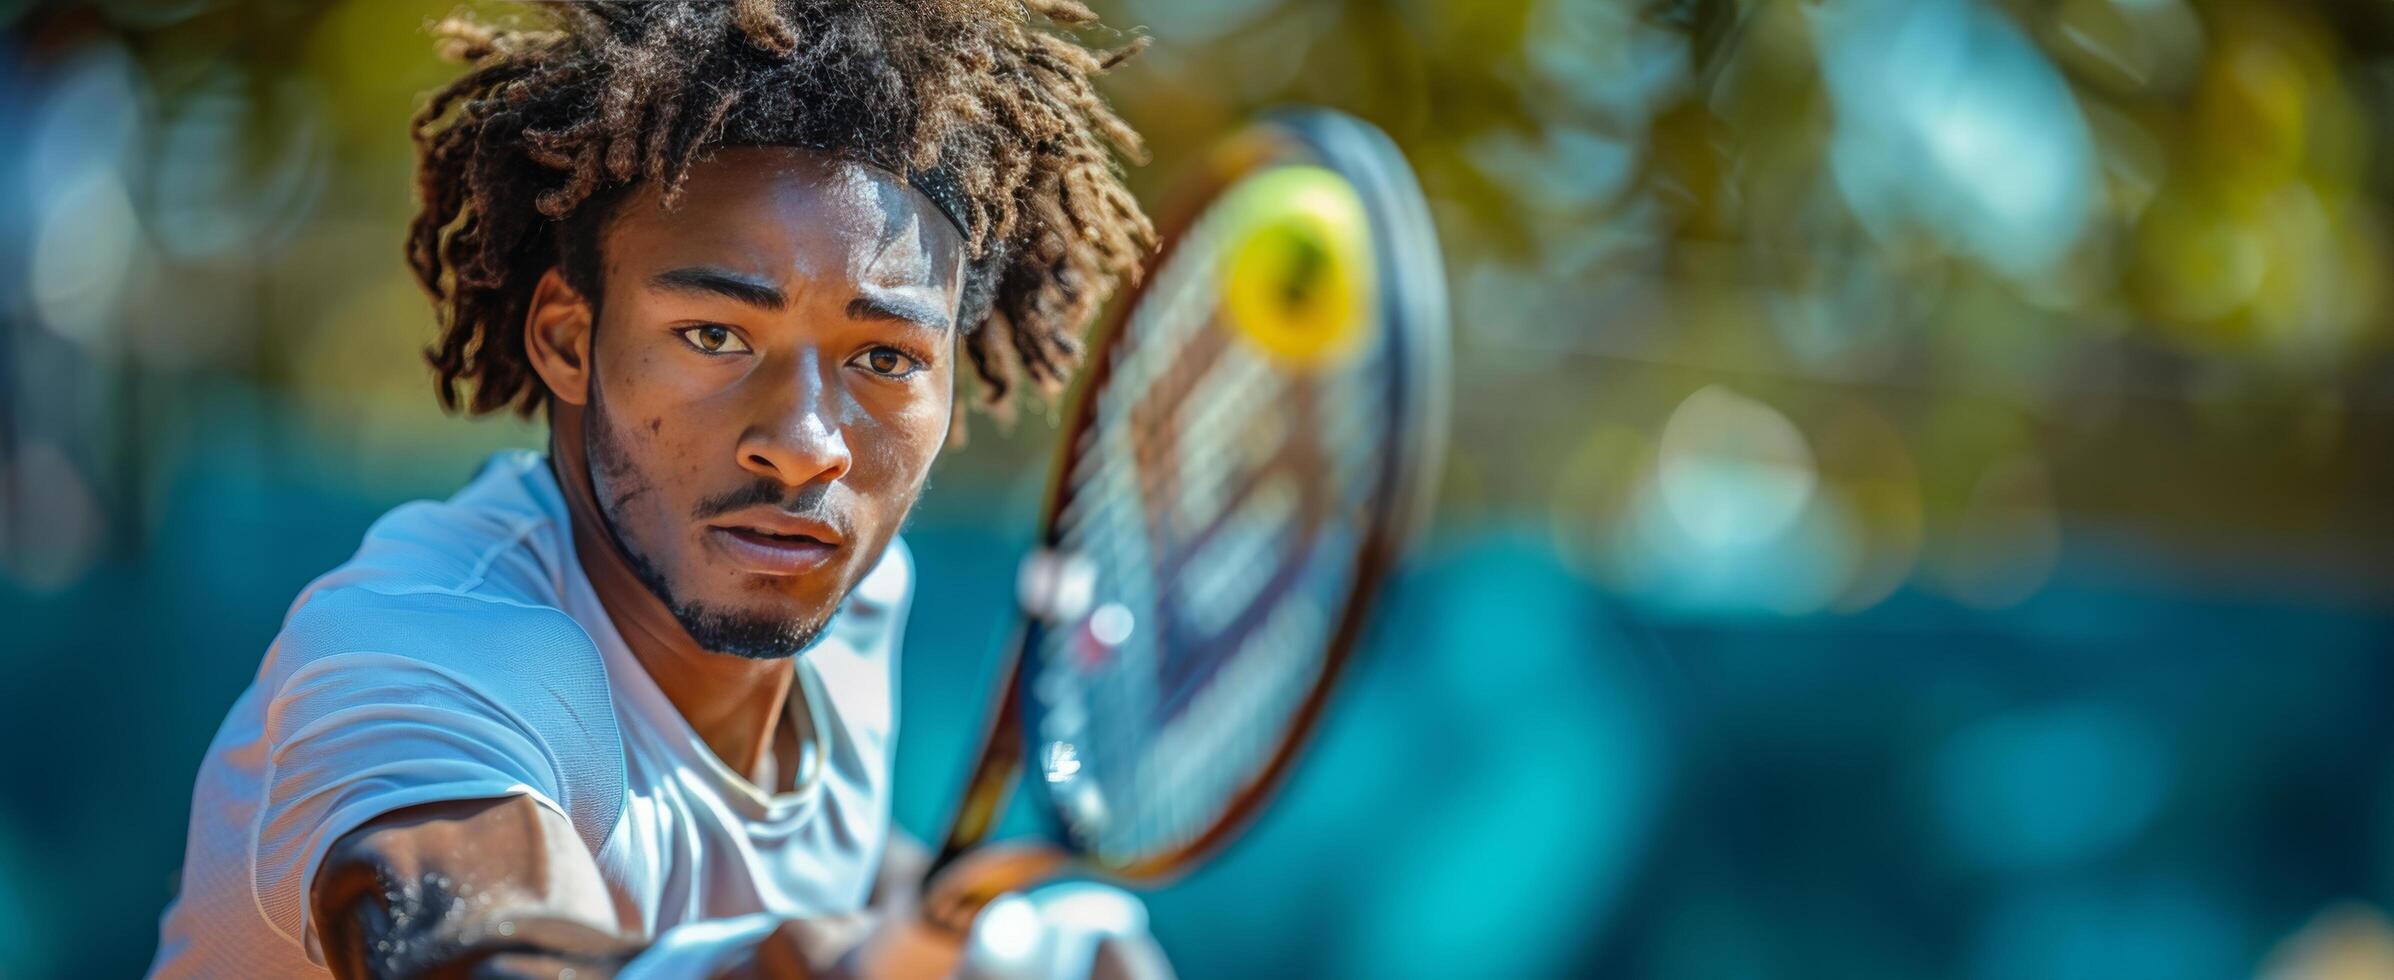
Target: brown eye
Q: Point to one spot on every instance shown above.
(889, 362)
(712, 338)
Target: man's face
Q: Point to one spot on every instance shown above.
(772, 377)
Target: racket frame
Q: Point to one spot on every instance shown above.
(1410, 282)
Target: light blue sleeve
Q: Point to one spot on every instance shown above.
(379, 703)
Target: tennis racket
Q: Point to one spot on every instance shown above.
(1253, 442)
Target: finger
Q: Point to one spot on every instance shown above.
(958, 893)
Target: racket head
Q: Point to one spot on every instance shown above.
(1253, 444)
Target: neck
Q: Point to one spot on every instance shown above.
(732, 702)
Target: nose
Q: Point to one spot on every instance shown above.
(797, 439)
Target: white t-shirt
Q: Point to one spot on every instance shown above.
(461, 654)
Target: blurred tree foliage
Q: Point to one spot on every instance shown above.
(2140, 242)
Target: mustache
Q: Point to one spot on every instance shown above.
(812, 501)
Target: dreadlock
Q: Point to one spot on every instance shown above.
(993, 113)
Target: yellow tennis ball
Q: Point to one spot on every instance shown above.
(1297, 272)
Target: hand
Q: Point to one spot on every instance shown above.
(1064, 931)
(1060, 932)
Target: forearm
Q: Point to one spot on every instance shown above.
(502, 888)
(387, 941)
(751, 948)
(484, 887)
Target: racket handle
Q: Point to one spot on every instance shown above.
(985, 795)
(1052, 587)
(994, 772)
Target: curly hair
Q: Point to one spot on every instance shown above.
(991, 111)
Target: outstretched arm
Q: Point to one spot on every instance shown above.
(504, 888)
(467, 887)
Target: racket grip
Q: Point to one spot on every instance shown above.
(977, 815)
(993, 772)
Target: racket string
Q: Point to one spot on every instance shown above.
(1222, 501)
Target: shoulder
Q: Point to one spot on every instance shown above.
(532, 667)
(480, 636)
(503, 535)
(454, 610)
(359, 677)
(469, 588)
(533, 661)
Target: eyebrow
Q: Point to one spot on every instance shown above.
(756, 291)
(712, 281)
(897, 308)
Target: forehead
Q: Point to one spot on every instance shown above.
(786, 213)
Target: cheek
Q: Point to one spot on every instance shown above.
(899, 442)
(656, 431)
(687, 456)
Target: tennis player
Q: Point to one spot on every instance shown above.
(628, 706)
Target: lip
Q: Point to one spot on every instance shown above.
(773, 543)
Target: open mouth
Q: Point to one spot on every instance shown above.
(768, 537)
(770, 553)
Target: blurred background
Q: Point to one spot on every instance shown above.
(1921, 503)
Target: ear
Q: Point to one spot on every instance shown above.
(557, 337)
